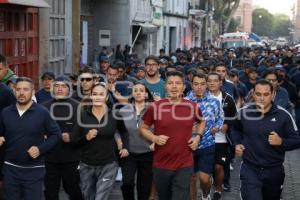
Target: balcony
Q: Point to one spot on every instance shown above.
(143, 12)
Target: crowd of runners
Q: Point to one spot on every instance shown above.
(166, 122)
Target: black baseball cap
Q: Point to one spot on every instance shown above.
(48, 75)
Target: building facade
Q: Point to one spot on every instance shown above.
(297, 23)
(63, 35)
(37, 36)
(176, 25)
(244, 15)
(20, 36)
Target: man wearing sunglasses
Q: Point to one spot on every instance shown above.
(86, 81)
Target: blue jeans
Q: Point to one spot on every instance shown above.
(97, 181)
(23, 183)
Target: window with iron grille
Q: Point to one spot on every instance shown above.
(57, 36)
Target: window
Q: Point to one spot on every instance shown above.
(22, 22)
(61, 7)
(2, 20)
(8, 21)
(22, 47)
(17, 22)
(30, 21)
(8, 48)
(62, 47)
(30, 46)
(16, 48)
(2, 47)
(57, 29)
(62, 27)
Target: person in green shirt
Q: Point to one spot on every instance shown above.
(6, 74)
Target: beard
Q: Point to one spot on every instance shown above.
(24, 103)
(24, 99)
(152, 74)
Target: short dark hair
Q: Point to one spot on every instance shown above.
(220, 64)
(199, 75)
(88, 70)
(119, 64)
(152, 57)
(269, 72)
(175, 73)
(2, 59)
(264, 82)
(170, 67)
(24, 79)
(114, 67)
(215, 74)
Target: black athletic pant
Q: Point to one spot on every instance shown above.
(68, 174)
(139, 166)
(259, 183)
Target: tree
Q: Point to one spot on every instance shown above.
(233, 25)
(281, 25)
(224, 11)
(262, 22)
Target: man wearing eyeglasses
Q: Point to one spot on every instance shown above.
(152, 80)
(86, 81)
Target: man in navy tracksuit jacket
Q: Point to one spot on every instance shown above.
(261, 134)
(23, 128)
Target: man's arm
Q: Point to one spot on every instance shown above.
(219, 117)
(237, 136)
(201, 127)
(53, 134)
(291, 139)
(236, 131)
(123, 133)
(2, 130)
(157, 139)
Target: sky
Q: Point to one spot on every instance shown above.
(276, 6)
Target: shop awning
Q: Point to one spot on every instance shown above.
(147, 27)
(32, 3)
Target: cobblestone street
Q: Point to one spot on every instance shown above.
(291, 189)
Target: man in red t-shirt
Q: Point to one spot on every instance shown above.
(173, 119)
